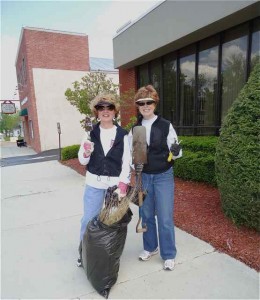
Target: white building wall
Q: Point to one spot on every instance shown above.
(52, 107)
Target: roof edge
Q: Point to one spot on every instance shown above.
(130, 23)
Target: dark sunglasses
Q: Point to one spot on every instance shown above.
(105, 107)
(145, 102)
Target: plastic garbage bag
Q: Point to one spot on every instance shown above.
(101, 250)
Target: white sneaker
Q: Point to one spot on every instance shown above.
(169, 264)
(79, 262)
(146, 255)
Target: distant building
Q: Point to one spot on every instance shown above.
(197, 54)
(102, 64)
(47, 63)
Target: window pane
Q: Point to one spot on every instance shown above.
(207, 88)
(187, 90)
(31, 128)
(255, 53)
(143, 75)
(156, 80)
(233, 70)
(169, 89)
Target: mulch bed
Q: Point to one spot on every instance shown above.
(197, 210)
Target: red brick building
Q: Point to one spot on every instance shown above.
(42, 55)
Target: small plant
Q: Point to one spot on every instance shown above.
(70, 152)
(131, 123)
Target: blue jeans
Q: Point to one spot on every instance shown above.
(92, 202)
(159, 201)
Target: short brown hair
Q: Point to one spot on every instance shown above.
(147, 91)
(109, 98)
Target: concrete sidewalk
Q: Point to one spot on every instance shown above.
(10, 149)
(41, 212)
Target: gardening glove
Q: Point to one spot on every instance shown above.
(121, 190)
(139, 168)
(88, 148)
(174, 150)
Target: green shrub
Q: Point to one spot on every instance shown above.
(199, 143)
(131, 123)
(237, 156)
(196, 166)
(70, 152)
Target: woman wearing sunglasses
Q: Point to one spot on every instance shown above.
(157, 179)
(107, 157)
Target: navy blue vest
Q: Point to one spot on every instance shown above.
(111, 164)
(158, 151)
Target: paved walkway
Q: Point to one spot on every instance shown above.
(10, 149)
(41, 211)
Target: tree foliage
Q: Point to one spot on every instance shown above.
(8, 122)
(238, 156)
(88, 88)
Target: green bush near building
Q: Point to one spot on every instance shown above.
(238, 156)
(197, 162)
(70, 152)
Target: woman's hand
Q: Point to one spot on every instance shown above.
(88, 148)
(121, 190)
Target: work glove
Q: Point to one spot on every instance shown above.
(88, 148)
(139, 168)
(175, 149)
(121, 190)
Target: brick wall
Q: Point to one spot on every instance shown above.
(54, 50)
(127, 80)
(47, 50)
(26, 90)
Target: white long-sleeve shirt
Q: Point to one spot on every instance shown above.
(171, 138)
(107, 137)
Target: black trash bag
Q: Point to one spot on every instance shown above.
(102, 248)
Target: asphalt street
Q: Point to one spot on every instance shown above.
(21, 155)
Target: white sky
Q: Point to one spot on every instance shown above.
(98, 19)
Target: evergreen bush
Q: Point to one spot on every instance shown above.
(70, 152)
(196, 166)
(238, 156)
(199, 143)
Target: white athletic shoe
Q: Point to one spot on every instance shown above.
(169, 264)
(146, 255)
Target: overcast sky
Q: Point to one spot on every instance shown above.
(98, 19)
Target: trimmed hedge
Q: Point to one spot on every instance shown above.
(238, 156)
(199, 143)
(70, 152)
(197, 162)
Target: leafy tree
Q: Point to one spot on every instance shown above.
(8, 122)
(88, 88)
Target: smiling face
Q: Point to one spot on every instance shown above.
(146, 108)
(146, 100)
(106, 113)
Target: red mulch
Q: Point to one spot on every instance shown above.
(198, 211)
